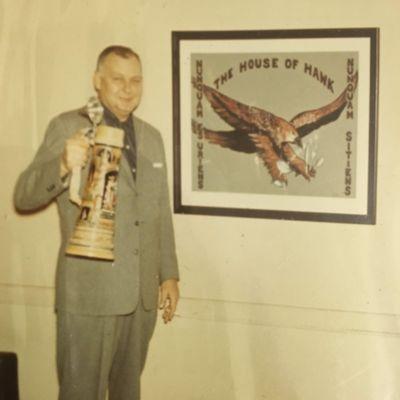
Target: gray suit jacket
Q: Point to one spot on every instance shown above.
(144, 239)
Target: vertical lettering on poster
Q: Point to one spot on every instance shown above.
(351, 84)
(198, 126)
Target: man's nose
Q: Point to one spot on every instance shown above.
(127, 88)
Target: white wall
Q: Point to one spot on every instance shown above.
(270, 309)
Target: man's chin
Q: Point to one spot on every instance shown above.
(124, 112)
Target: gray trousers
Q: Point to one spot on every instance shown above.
(96, 353)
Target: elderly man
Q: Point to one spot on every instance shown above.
(106, 311)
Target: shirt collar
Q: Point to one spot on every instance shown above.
(112, 120)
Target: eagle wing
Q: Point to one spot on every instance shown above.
(235, 140)
(308, 121)
(240, 116)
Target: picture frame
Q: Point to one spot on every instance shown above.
(277, 124)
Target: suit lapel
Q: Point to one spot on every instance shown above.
(142, 162)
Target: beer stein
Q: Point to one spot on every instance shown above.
(93, 235)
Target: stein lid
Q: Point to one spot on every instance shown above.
(109, 135)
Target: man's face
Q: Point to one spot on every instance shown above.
(118, 83)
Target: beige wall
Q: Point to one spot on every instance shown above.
(270, 309)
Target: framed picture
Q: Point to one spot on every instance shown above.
(276, 124)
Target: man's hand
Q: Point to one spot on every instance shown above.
(168, 299)
(75, 153)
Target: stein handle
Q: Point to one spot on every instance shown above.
(74, 185)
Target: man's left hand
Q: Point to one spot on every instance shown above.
(168, 299)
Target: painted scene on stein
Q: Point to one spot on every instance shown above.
(275, 123)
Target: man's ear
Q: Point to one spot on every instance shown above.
(97, 81)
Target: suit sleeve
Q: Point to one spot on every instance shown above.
(40, 183)
(169, 263)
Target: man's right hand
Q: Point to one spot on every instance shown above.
(76, 153)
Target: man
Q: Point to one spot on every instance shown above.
(106, 311)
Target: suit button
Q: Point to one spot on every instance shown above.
(51, 187)
(136, 252)
(137, 223)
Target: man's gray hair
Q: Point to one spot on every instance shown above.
(121, 51)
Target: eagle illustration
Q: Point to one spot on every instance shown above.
(276, 141)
